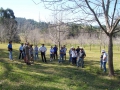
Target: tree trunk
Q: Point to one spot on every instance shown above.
(110, 56)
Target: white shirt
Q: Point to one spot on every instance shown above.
(104, 57)
(65, 49)
(36, 49)
(21, 48)
(70, 51)
(74, 53)
(42, 49)
(51, 51)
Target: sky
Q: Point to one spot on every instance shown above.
(27, 9)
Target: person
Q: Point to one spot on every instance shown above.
(84, 53)
(70, 55)
(104, 60)
(101, 61)
(78, 50)
(43, 50)
(21, 51)
(61, 59)
(31, 53)
(10, 49)
(24, 46)
(36, 52)
(65, 49)
(51, 53)
(55, 52)
(27, 52)
(74, 56)
(81, 58)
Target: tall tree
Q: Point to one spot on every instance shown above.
(9, 23)
(104, 12)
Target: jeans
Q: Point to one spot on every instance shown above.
(80, 62)
(10, 55)
(55, 55)
(70, 59)
(51, 57)
(74, 60)
(104, 66)
(61, 58)
(43, 56)
(21, 54)
(101, 64)
(36, 56)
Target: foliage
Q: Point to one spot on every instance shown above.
(8, 25)
(30, 24)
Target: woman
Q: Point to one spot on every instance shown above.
(51, 53)
(74, 56)
(31, 53)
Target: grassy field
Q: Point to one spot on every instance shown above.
(16, 75)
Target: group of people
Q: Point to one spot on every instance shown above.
(76, 55)
(30, 53)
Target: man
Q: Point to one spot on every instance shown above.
(51, 53)
(78, 50)
(43, 50)
(61, 59)
(104, 60)
(70, 54)
(24, 46)
(65, 49)
(21, 51)
(81, 58)
(36, 52)
(27, 54)
(55, 52)
(10, 50)
(84, 53)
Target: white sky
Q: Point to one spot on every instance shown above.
(27, 9)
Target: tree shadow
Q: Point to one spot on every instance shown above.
(17, 75)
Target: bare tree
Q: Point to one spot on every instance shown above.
(34, 36)
(58, 32)
(53, 33)
(82, 39)
(1, 33)
(102, 11)
(10, 28)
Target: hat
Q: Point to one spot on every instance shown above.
(103, 51)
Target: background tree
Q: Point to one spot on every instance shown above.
(9, 25)
(34, 37)
(104, 12)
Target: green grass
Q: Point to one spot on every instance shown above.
(16, 75)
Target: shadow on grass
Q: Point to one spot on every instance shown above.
(16, 75)
(4, 53)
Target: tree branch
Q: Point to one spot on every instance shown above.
(96, 17)
(106, 10)
(114, 12)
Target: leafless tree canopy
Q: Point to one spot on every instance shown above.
(104, 12)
